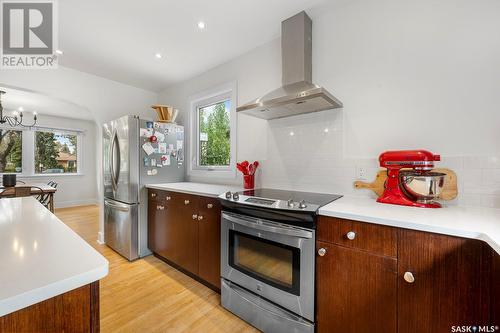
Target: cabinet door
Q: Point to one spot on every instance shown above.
(183, 221)
(209, 241)
(451, 282)
(153, 228)
(159, 229)
(356, 291)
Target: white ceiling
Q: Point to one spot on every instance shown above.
(118, 39)
(44, 105)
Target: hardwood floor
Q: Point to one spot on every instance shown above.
(147, 295)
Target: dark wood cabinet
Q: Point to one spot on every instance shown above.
(451, 282)
(397, 280)
(356, 291)
(209, 240)
(184, 229)
(74, 311)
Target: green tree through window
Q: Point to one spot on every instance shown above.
(55, 152)
(214, 134)
(10, 151)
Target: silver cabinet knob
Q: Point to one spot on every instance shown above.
(351, 235)
(168, 198)
(195, 216)
(210, 206)
(200, 217)
(322, 252)
(186, 202)
(408, 276)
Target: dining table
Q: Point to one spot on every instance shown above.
(9, 192)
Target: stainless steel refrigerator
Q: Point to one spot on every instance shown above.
(136, 152)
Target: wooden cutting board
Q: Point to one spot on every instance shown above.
(449, 192)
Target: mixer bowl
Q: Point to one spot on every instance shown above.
(423, 187)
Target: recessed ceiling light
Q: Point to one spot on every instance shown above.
(158, 55)
(21, 109)
(201, 25)
(59, 52)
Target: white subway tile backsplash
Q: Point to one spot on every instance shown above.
(491, 201)
(491, 176)
(313, 159)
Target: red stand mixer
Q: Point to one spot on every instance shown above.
(410, 181)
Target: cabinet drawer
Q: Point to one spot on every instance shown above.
(164, 197)
(359, 235)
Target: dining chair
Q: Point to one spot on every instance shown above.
(45, 198)
(52, 184)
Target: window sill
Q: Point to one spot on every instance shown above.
(49, 175)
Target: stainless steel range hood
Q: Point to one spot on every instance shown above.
(298, 94)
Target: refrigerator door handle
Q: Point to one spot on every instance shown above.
(115, 206)
(114, 173)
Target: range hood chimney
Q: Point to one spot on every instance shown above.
(298, 94)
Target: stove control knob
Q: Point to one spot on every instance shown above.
(236, 196)
(228, 195)
(302, 204)
(290, 203)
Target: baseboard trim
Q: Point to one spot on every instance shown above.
(100, 237)
(72, 203)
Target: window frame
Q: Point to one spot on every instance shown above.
(209, 97)
(28, 151)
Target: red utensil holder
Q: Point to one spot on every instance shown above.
(248, 181)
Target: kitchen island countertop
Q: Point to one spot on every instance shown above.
(208, 190)
(40, 256)
(462, 221)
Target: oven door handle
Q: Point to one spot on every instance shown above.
(270, 228)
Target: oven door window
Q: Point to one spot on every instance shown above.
(270, 262)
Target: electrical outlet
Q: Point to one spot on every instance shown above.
(361, 173)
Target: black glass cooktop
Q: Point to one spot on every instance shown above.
(319, 199)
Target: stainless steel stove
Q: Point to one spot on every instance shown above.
(267, 257)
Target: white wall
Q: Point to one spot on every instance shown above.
(74, 190)
(411, 74)
(103, 98)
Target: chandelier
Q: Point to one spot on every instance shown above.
(13, 121)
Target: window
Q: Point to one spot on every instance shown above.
(214, 134)
(55, 152)
(11, 151)
(213, 129)
(40, 151)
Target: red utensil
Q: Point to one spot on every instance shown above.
(241, 168)
(255, 166)
(251, 169)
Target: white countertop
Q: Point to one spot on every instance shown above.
(207, 190)
(468, 222)
(41, 257)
